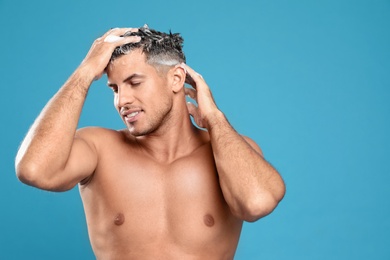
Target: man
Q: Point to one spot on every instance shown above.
(162, 188)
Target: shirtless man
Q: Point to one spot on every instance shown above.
(162, 188)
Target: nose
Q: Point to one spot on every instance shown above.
(124, 97)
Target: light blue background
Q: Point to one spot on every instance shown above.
(308, 80)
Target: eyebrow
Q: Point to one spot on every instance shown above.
(133, 76)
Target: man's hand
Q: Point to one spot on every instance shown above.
(100, 53)
(206, 110)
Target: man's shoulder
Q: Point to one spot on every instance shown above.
(95, 130)
(100, 134)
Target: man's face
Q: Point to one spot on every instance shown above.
(141, 95)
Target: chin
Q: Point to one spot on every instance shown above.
(142, 129)
(139, 132)
(133, 132)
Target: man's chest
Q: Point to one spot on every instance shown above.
(181, 199)
(138, 180)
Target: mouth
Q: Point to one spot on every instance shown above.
(132, 117)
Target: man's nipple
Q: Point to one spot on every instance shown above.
(208, 220)
(119, 219)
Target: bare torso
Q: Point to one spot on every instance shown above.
(139, 208)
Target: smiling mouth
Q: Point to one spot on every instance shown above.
(133, 116)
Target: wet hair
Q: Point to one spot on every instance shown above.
(161, 49)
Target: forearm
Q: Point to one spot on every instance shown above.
(251, 186)
(48, 143)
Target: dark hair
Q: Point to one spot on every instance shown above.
(159, 48)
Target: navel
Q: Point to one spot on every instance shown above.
(119, 219)
(208, 220)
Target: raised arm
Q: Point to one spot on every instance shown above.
(53, 156)
(250, 185)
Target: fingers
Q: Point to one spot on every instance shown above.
(197, 82)
(119, 40)
(112, 38)
(192, 110)
(119, 31)
(189, 80)
(101, 50)
(115, 36)
(193, 78)
(191, 93)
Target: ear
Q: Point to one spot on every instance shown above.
(178, 78)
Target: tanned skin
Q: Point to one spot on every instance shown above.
(161, 188)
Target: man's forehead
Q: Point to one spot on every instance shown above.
(133, 63)
(136, 57)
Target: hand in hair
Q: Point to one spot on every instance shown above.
(206, 110)
(100, 53)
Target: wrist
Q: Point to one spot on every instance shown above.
(214, 119)
(81, 79)
(87, 72)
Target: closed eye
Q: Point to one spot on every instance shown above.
(135, 84)
(135, 80)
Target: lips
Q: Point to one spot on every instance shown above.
(131, 115)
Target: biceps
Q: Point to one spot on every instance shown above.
(81, 164)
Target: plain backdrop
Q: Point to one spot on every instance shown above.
(307, 80)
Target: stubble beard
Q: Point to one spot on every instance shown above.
(153, 125)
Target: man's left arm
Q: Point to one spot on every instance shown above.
(250, 185)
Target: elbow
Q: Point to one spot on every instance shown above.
(27, 174)
(258, 207)
(24, 173)
(32, 175)
(24, 169)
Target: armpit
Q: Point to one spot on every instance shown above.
(86, 181)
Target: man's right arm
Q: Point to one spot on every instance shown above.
(52, 156)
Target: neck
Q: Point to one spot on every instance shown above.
(176, 138)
